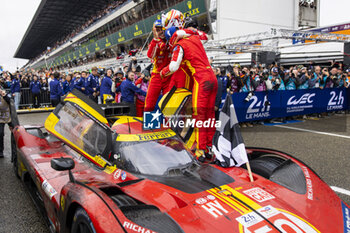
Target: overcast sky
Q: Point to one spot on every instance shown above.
(16, 15)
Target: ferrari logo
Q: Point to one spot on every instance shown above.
(62, 203)
(137, 27)
(189, 4)
(120, 35)
(158, 16)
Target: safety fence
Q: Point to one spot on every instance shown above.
(277, 104)
(27, 99)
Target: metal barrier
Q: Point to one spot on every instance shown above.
(27, 100)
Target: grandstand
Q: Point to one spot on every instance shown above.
(104, 33)
(88, 32)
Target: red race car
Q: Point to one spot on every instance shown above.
(91, 173)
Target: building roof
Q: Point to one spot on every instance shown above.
(53, 20)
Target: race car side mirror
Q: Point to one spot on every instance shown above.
(62, 164)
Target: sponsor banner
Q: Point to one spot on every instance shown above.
(261, 106)
(274, 104)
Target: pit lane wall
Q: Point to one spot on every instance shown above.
(276, 104)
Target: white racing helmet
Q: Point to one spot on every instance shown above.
(173, 18)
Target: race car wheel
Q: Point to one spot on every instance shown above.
(264, 166)
(81, 222)
(14, 156)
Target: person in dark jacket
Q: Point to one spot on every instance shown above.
(68, 84)
(55, 90)
(95, 83)
(106, 84)
(128, 91)
(35, 88)
(5, 117)
(218, 94)
(16, 90)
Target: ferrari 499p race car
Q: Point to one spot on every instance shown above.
(87, 172)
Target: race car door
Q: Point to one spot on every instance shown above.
(81, 124)
(176, 106)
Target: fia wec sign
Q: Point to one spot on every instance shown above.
(274, 104)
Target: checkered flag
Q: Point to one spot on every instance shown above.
(228, 144)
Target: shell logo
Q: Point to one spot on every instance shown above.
(189, 4)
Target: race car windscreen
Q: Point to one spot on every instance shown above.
(80, 130)
(151, 157)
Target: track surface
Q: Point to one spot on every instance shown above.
(327, 155)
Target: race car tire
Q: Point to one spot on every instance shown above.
(14, 156)
(264, 166)
(81, 222)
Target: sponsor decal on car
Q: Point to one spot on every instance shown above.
(203, 200)
(346, 218)
(310, 193)
(253, 222)
(117, 174)
(136, 228)
(63, 202)
(48, 189)
(123, 175)
(259, 194)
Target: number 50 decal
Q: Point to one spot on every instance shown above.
(285, 222)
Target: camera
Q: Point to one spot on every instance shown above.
(249, 96)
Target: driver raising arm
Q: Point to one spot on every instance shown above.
(159, 52)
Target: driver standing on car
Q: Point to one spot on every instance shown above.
(190, 49)
(159, 52)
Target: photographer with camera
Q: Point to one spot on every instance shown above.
(276, 80)
(303, 79)
(314, 81)
(258, 80)
(290, 79)
(235, 83)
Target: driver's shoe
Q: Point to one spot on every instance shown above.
(200, 155)
(209, 153)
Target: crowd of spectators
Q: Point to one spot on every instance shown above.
(129, 84)
(94, 18)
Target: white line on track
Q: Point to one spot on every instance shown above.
(314, 131)
(340, 190)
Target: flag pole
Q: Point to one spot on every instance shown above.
(250, 172)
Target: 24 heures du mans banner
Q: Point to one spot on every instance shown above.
(274, 104)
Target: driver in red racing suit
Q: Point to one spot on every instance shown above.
(182, 77)
(159, 52)
(189, 52)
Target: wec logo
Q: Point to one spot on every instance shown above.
(304, 99)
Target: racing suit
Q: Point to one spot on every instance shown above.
(182, 77)
(190, 52)
(159, 52)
